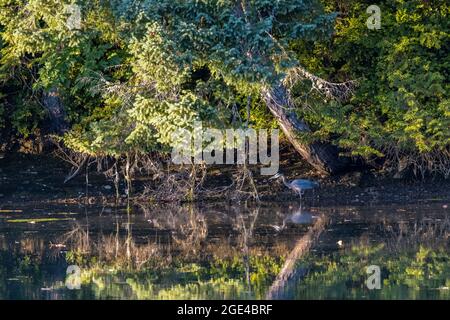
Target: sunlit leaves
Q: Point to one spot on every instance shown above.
(399, 107)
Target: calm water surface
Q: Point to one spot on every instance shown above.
(218, 251)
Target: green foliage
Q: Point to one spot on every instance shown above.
(220, 278)
(26, 116)
(135, 71)
(41, 52)
(402, 103)
(410, 274)
(157, 49)
(194, 61)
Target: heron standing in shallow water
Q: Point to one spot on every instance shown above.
(298, 186)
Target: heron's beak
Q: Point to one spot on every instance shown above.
(275, 177)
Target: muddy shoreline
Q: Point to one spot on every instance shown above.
(40, 178)
(224, 249)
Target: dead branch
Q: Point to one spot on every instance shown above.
(331, 90)
(76, 170)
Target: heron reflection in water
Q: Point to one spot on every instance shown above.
(299, 217)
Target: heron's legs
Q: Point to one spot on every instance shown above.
(300, 194)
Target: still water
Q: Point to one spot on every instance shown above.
(218, 251)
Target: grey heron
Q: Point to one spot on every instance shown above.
(298, 186)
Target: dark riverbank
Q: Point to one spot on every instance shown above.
(224, 249)
(37, 178)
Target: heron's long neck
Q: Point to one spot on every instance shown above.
(283, 178)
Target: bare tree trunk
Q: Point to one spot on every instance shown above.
(53, 104)
(323, 157)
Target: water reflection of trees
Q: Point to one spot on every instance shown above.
(220, 251)
(407, 235)
(413, 255)
(190, 230)
(228, 258)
